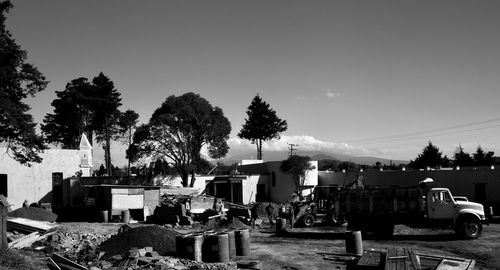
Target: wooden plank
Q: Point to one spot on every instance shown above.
(370, 260)
(454, 264)
(27, 242)
(3, 226)
(20, 239)
(30, 225)
(5, 202)
(53, 265)
(396, 259)
(65, 263)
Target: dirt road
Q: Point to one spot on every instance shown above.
(304, 247)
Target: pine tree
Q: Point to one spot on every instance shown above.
(18, 80)
(262, 124)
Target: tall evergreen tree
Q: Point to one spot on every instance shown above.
(72, 115)
(126, 127)
(18, 80)
(106, 114)
(430, 157)
(262, 124)
(461, 158)
(482, 158)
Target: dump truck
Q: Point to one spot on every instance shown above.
(376, 210)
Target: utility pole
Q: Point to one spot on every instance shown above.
(291, 145)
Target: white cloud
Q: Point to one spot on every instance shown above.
(331, 94)
(305, 143)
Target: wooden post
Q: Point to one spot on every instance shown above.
(3, 226)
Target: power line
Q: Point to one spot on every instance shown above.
(401, 136)
(435, 135)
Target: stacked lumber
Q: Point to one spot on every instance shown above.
(28, 240)
(28, 226)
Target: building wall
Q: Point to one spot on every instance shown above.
(280, 189)
(461, 182)
(35, 183)
(249, 186)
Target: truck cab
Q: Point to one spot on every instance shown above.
(465, 217)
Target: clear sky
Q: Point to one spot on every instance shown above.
(349, 76)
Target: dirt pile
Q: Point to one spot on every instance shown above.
(161, 239)
(217, 223)
(34, 213)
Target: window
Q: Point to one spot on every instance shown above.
(3, 184)
(273, 179)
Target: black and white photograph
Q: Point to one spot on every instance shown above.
(250, 134)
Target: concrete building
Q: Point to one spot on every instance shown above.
(256, 181)
(271, 183)
(19, 182)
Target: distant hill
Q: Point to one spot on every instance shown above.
(315, 155)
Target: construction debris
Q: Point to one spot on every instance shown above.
(408, 259)
(28, 225)
(161, 239)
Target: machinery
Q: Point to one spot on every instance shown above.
(377, 210)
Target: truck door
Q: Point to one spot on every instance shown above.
(440, 204)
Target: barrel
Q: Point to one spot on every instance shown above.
(180, 245)
(126, 216)
(103, 216)
(193, 247)
(242, 240)
(232, 243)
(353, 242)
(216, 248)
(280, 225)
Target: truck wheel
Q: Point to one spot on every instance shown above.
(471, 228)
(308, 220)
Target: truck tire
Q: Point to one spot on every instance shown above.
(470, 228)
(308, 220)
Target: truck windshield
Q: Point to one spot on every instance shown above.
(442, 196)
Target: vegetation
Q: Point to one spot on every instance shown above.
(127, 124)
(298, 167)
(482, 158)
(85, 107)
(262, 124)
(106, 114)
(72, 115)
(430, 157)
(178, 131)
(461, 158)
(18, 80)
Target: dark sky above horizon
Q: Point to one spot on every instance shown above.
(377, 78)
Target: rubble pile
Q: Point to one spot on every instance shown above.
(34, 213)
(161, 239)
(231, 223)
